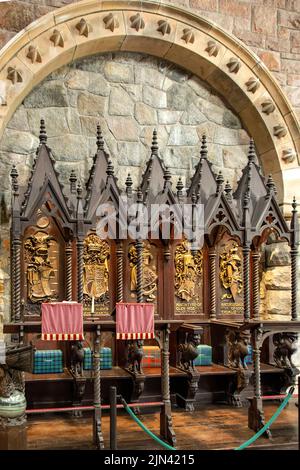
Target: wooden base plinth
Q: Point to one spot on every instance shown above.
(13, 437)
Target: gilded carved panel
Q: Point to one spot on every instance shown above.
(96, 259)
(230, 276)
(150, 276)
(188, 280)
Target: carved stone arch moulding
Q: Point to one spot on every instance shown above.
(166, 31)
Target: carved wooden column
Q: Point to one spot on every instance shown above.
(255, 284)
(16, 248)
(79, 244)
(256, 419)
(69, 271)
(294, 256)
(97, 426)
(212, 277)
(246, 281)
(139, 281)
(166, 426)
(120, 272)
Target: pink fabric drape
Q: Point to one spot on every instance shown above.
(134, 321)
(62, 321)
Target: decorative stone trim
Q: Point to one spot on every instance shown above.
(57, 38)
(14, 75)
(111, 22)
(288, 155)
(188, 35)
(137, 22)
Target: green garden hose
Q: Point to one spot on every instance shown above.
(139, 422)
(268, 424)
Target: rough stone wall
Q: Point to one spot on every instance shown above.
(131, 95)
(271, 28)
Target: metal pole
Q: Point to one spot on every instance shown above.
(113, 417)
(298, 413)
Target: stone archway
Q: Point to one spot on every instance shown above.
(165, 31)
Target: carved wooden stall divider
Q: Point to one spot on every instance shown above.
(208, 293)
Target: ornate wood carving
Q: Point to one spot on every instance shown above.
(268, 107)
(234, 65)
(14, 75)
(143, 276)
(83, 28)
(163, 27)
(96, 255)
(212, 48)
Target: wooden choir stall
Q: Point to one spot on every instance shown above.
(65, 246)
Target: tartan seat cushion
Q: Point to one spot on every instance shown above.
(105, 359)
(48, 361)
(152, 357)
(205, 355)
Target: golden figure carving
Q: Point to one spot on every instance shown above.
(39, 268)
(95, 272)
(149, 274)
(188, 269)
(231, 272)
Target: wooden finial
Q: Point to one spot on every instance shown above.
(43, 133)
(110, 168)
(154, 146)
(73, 179)
(203, 151)
(128, 184)
(251, 151)
(100, 141)
(14, 179)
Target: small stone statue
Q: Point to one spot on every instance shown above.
(135, 356)
(188, 351)
(77, 357)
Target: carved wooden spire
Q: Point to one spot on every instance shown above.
(220, 181)
(14, 179)
(83, 28)
(167, 178)
(179, 188)
(110, 168)
(271, 188)
(100, 141)
(154, 146)
(73, 180)
(228, 192)
(203, 150)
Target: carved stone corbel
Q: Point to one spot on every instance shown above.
(236, 351)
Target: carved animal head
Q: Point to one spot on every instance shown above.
(194, 339)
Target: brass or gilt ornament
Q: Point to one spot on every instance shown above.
(149, 272)
(40, 270)
(231, 272)
(188, 269)
(96, 271)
